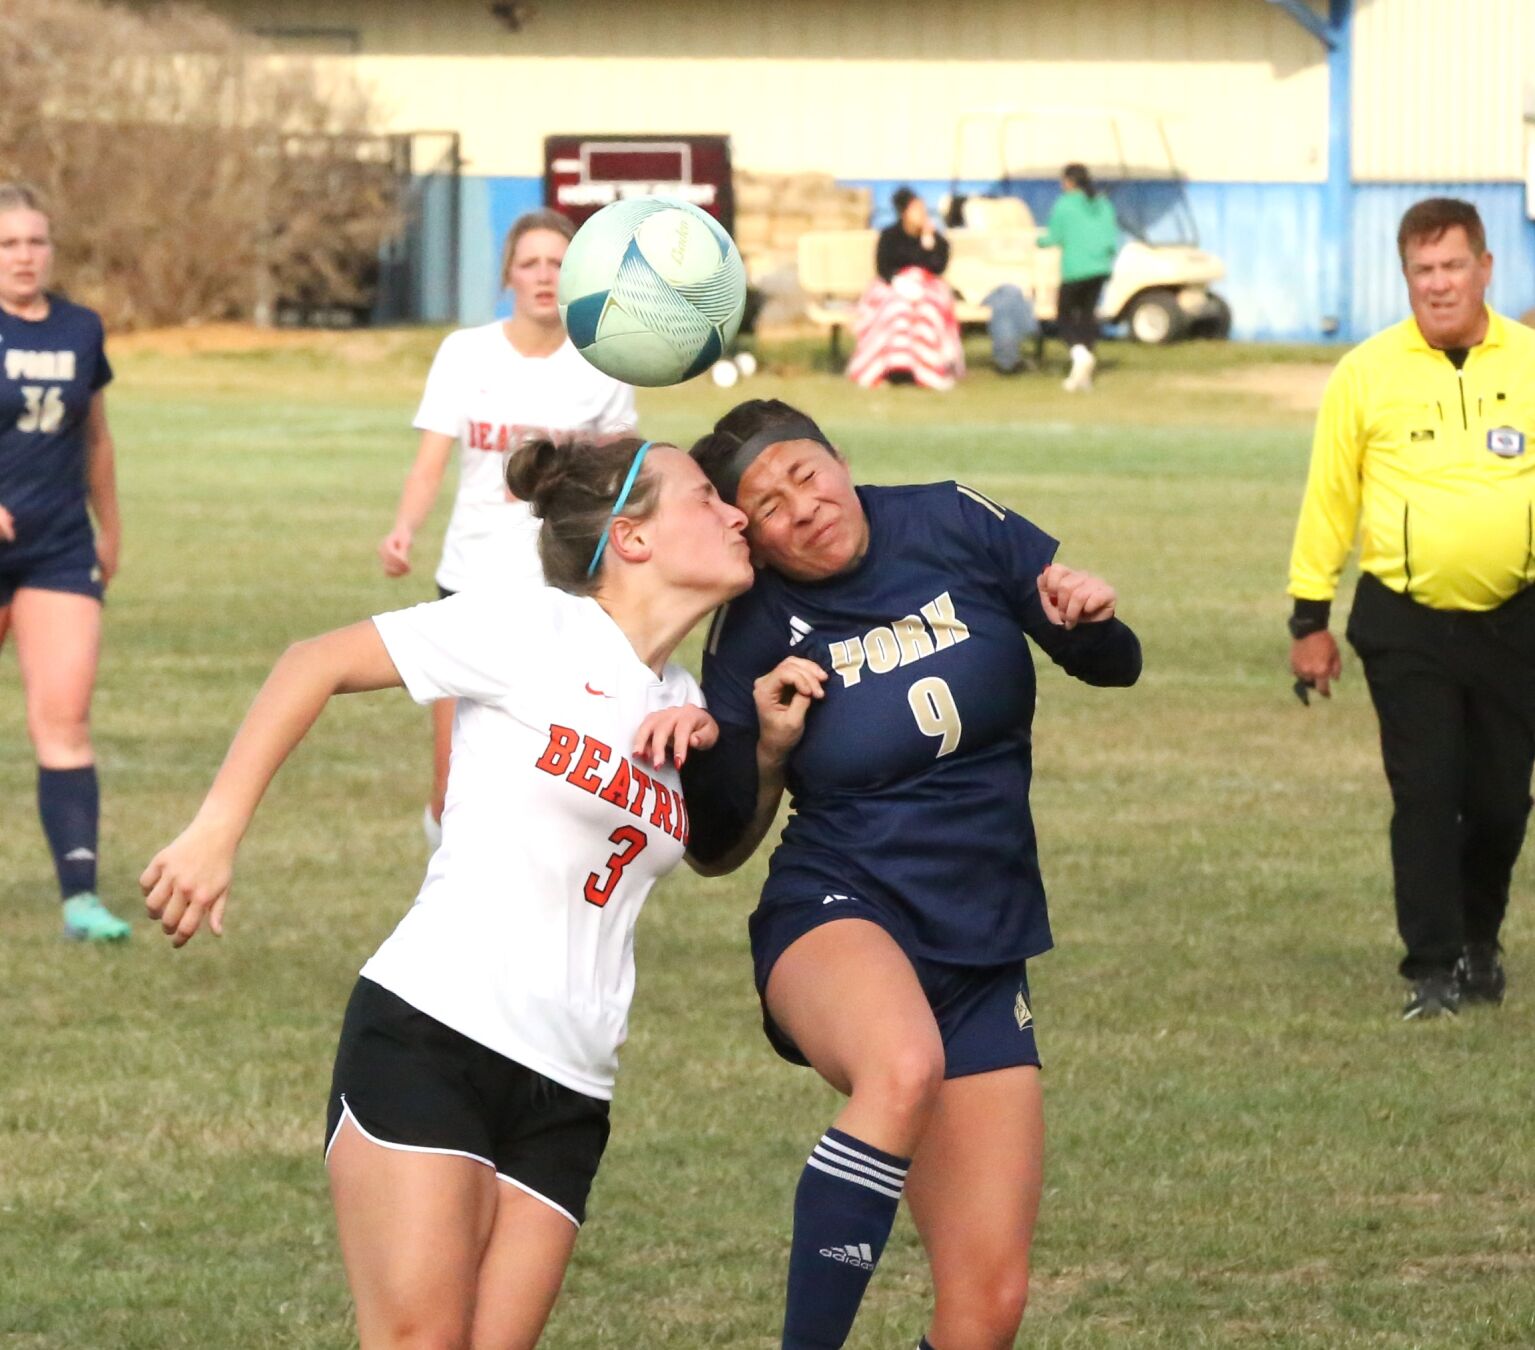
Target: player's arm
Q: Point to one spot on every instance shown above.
(734, 790)
(1069, 613)
(101, 485)
(1324, 534)
(190, 877)
(422, 485)
(1082, 632)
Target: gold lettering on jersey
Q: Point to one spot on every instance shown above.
(847, 660)
(879, 646)
(912, 636)
(901, 642)
(947, 626)
(25, 365)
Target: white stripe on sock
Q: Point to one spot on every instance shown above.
(852, 1154)
(866, 1183)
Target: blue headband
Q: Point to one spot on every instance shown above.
(623, 496)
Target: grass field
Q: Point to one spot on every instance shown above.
(1246, 1147)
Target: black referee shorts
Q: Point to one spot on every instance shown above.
(409, 1082)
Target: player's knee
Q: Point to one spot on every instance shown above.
(905, 1080)
(1003, 1303)
(422, 1329)
(986, 1313)
(58, 735)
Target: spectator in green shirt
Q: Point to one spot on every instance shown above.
(1083, 226)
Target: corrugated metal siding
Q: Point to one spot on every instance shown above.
(1439, 89)
(1266, 234)
(858, 87)
(1380, 295)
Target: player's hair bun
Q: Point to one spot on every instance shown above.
(571, 486)
(537, 471)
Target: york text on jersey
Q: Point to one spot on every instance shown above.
(900, 642)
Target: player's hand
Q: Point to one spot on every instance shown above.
(1315, 660)
(7, 526)
(187, 881)
(109, 544)
(394, 552)
(783, 697)
(675, 730)
(1070, 597)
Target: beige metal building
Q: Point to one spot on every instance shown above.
(1302, 127)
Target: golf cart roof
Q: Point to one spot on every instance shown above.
(1034, 140)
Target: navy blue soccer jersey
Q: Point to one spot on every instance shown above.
(50, 369)
(910, 786)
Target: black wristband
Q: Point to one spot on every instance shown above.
(1309, 616)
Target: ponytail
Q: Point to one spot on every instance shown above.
(1077, 176)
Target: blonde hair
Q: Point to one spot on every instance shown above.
(542, 219)
(20, 197)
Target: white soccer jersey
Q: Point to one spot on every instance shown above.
(491, 398)
(522, 937)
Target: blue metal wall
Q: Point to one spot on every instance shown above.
(1270, 236)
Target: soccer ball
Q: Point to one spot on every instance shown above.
(652, 290)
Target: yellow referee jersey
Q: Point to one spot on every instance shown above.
(1433, 467)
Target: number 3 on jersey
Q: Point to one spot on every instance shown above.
(932, 704)
(631, 843)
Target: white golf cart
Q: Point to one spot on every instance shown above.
(1160, 286)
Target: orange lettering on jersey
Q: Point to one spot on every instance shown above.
(681, 832)
(503, 438)
(484, 428)
(642, 782)
(662, 815)
(593, 754)
(617, 790)
(562, 744)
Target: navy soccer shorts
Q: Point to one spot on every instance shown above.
(984, 1013)
(72, 568)
(408, 1082)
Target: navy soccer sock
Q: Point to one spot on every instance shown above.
(69, 802)
(843, 1210)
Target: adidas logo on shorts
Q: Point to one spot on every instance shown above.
(851, 1254)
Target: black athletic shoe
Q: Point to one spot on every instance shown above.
(1436, 995)
(1479, 974)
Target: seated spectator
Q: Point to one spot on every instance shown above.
(905, 322)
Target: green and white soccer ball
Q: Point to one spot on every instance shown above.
(652, 290)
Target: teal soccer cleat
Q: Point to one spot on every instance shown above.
(86, 919)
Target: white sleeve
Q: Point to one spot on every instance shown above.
(462, 647)
(442, 403)
(617, 413)
(682, 688)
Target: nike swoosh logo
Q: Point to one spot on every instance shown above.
(597, 692)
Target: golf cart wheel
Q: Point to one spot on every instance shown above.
(1155, 319)
(1214, 322)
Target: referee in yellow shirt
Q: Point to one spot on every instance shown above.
(1425, 448)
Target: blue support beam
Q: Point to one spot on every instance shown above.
(1336, 33)
(1319, 28)
(1338, 198)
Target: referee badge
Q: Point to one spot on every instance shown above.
(1506, 442)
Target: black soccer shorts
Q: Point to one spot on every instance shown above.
(409, 1082)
